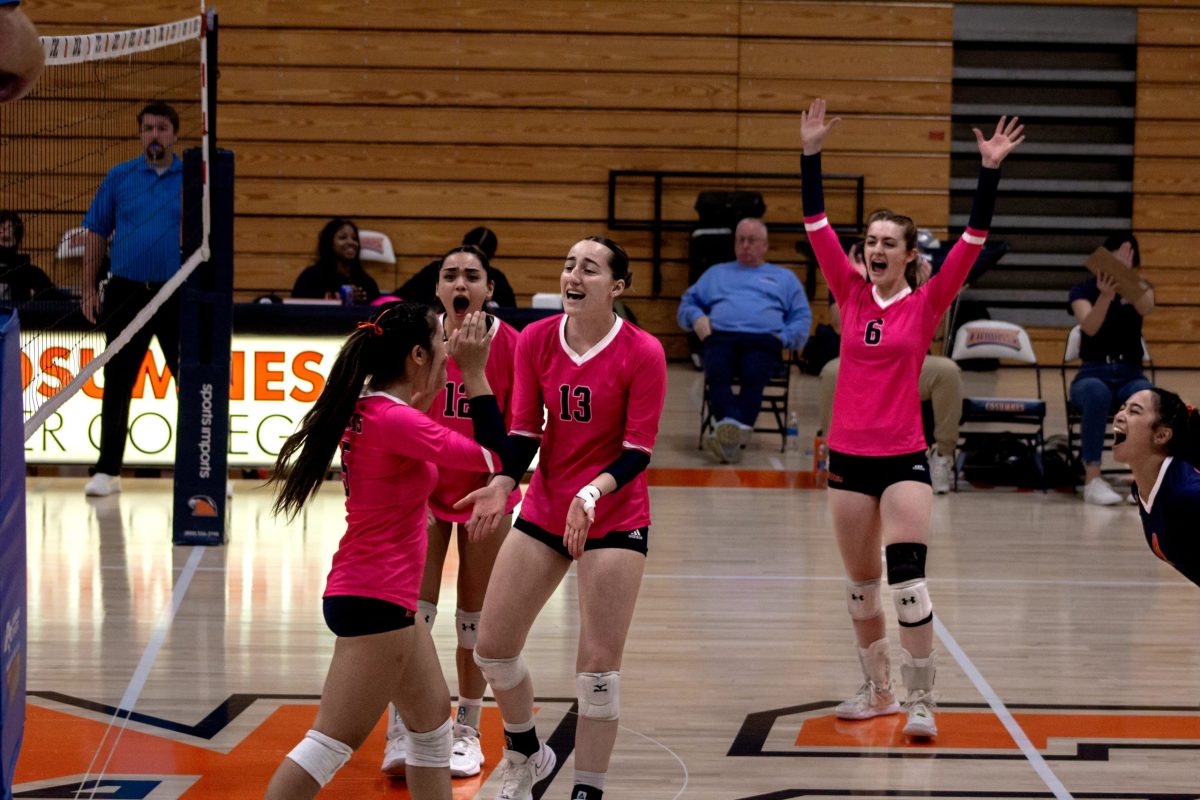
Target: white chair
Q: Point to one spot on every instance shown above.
(71, 244)
(1005, 341)
(375, 246)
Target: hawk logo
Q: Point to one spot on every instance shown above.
(230, 753)
(202, 506)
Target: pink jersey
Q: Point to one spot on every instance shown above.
(452, 409)
(594, 406)
(390, 455)
(876, 404)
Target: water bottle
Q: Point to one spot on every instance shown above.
(793, 431)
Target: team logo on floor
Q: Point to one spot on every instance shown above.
(972, 731)
(79, 748)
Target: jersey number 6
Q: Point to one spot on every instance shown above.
(583, 413)
(874, 332)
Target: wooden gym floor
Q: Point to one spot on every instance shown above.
(1069, 663)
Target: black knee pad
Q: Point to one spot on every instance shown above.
(905, 562)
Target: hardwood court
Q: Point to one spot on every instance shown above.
(1053, 611)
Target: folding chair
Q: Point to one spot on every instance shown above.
(1006, 342)
(774, 402)
(1071, 362)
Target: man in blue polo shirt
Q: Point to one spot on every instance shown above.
(745, 312)
(139, 204)
(20, 52)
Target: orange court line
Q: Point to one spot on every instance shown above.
(731, 478)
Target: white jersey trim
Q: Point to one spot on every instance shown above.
(816, 226)
(527, 434)
(392, 397)
(1148, 503)
(628, 445)
(969, 239)
(896, 298)
(487, 457)
(596, 349)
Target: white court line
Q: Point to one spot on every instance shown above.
(682, 765)
(1014, 729)
(776, 463)
(138, 681)
(968, 581)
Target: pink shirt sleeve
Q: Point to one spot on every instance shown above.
(942, 288)
(647, 395)
(417, 436)
(527, 415)
(836, 268)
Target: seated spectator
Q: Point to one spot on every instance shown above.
(337, 265)
(1111, 352)
(940, 383)
(20, 280)
(422, 287)
(745, 312)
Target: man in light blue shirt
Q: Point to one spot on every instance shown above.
(21, 58)
(139, 204)
(745, 312)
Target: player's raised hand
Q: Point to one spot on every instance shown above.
(469, 345)
(814, 128)
(1009, 133)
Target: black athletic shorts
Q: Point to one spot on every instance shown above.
(872, 474)
(350, 615)
(636, 540)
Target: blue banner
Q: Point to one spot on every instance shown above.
(12, 552)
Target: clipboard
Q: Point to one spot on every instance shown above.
(1130, 285)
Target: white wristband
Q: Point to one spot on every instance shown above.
(589, 495)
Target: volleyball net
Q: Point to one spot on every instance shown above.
(80, 124)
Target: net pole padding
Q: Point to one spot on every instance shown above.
(200, 507)
(208, 21)
(13, 627)
(39, 417)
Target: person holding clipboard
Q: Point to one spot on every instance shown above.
(1110, 307)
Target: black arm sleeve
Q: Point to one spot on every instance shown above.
(523, 449)
(985, 199)
(811, 191)
(628, 466)
(489, 425)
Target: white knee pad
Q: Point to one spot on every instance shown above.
(502, 673)
(428, 612)
(468, 627)
(599, 694)
(430, 749)
(320, 756)
(863, 599)
(913, 606)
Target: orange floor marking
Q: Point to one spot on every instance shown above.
(58, 744)
(731, 478)
(984, 731)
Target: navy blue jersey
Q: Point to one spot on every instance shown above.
(1172, 522)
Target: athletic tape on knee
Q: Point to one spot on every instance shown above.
(468, 627)
(502, 673)
(430, 749)
(428, 612)
(913, 606)
(320, 756)
(599, 694)
(862, 599)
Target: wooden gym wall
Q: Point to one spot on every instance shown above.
(424, 118)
